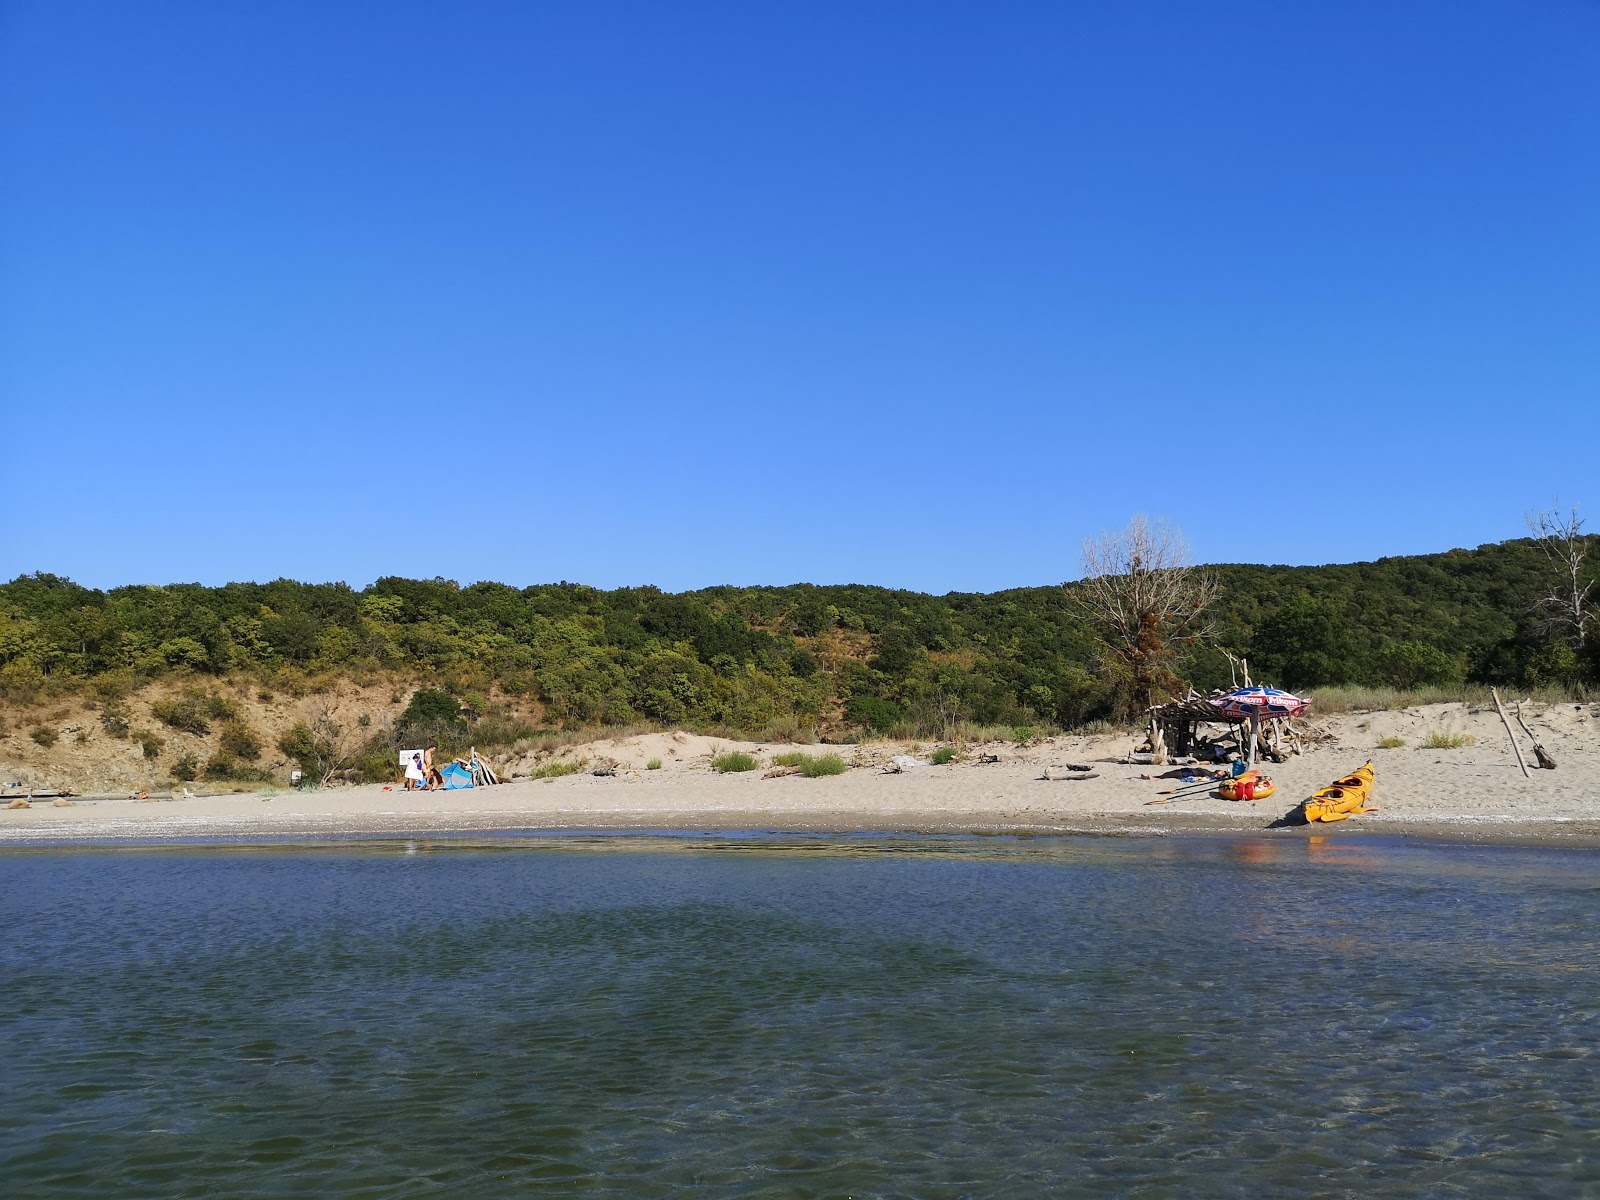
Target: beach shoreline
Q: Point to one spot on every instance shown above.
(1473, 792)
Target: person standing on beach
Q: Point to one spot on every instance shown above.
(430, 772)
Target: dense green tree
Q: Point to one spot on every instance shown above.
(876, 657)
(1307, 642)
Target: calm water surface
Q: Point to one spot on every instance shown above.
(664, 1017)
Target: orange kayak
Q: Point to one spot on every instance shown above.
(1252, 785)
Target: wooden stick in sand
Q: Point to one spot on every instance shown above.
(1504, 720)
(1546, 759)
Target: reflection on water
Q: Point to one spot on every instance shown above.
(740, 1016)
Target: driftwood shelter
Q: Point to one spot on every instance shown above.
(1194, 727)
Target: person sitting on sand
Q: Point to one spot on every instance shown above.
(415, 778)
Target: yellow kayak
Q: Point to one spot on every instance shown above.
(1343, 798)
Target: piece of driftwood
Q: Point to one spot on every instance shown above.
(1075, 776)
(1545, 758)
(780, 772)
(1504, 720)
(987, 758)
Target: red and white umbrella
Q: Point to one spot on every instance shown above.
(1259, 703)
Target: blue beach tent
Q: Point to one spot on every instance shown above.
(456, 776)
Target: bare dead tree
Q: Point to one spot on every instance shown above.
(322, 746)
(1145, 600)
(1566, 608)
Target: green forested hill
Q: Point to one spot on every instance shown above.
(745, 657)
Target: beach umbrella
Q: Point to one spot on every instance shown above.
(1257, 704)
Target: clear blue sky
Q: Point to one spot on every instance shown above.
(916, 294)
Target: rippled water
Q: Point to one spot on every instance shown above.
(840, 1017)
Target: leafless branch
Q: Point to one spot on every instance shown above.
(1145, 598)
(1566, 607)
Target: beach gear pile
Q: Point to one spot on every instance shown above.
(1252, 785)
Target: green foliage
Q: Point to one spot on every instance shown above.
(555, 769)
(653, 765)
(1306, 642)
(316, 749)
(186, 769)
(187, 715)
(375, 762)
(152, 744)
(44, 735)
(1445, 739)
(433, 718)
(1416, 664)
(225, 766)
(733, 761)
(1023, 734)
(944, 754)
(789, 758)
(114, 719)
(873, 712)
(219, 708)
(238, 741)
(1391, 743)
(429, 705)
(769, 659)
(823, 764)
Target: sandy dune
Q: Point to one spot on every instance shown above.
(1476, 791)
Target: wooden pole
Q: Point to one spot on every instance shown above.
(1504, 720)
(1544, 757)
(1255, 729)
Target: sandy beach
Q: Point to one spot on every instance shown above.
(1475, 792)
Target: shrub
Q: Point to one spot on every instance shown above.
(1391, 743)
(114, 719)
(264, 696)
(872, 712)
(1416, 664)
(113, 685)
(186, 716)
(224, 766)
(150, 743)
(429, 704)
(500, 729)
(1445, 739)
(732, 762)
(653, 765)
(1023, 734)
(433, 717)
(45, 736)
(556, 768)
(186, 768)
(823, 764)
(219, 708)
(375, 762)
(787, 729)
(237, 741)
(790, 758)
(944, 754)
